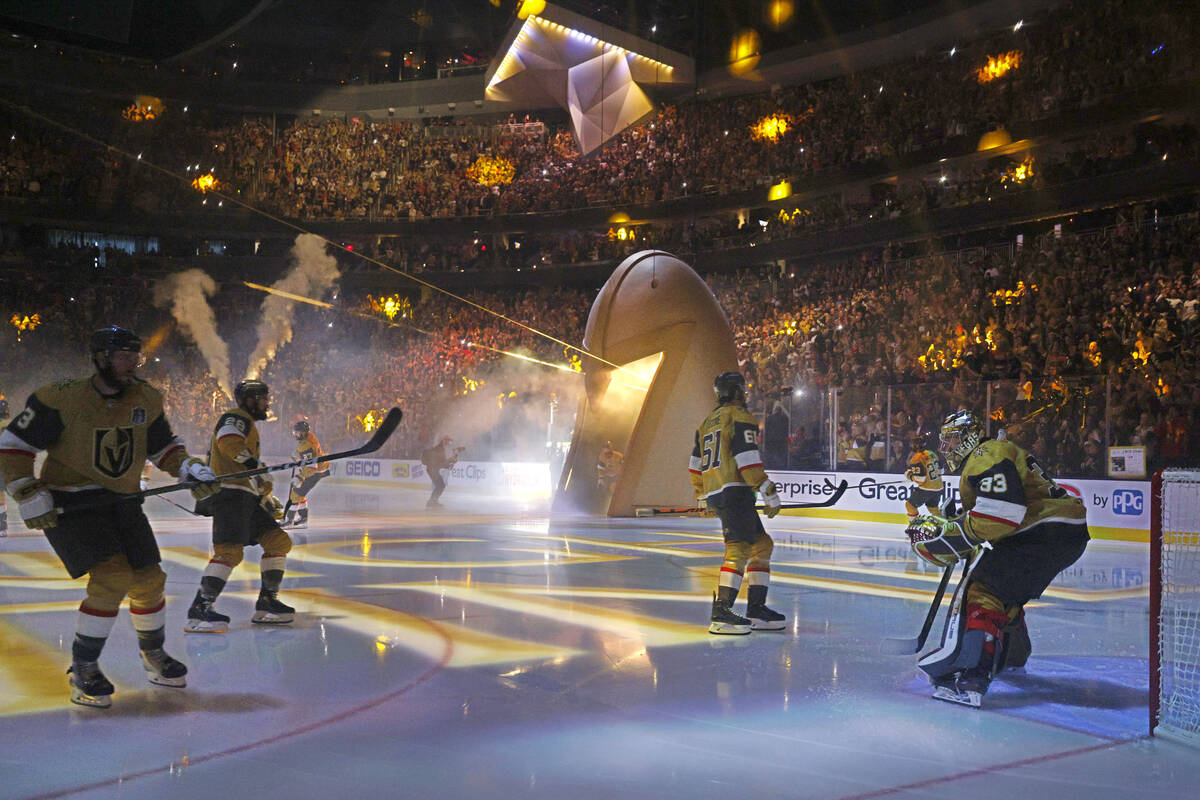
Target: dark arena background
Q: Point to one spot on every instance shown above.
(540, 229)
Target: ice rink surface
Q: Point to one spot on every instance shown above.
(489, 650)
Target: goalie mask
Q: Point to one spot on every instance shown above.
(961, 433)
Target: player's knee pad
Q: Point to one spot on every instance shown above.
(228, 554)
(761, 548)
(276, 543)
(146, 588)
(108, 583)
(737, 554)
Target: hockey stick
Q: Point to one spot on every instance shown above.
(289, 502)
(902, 646)
(180, 506)
(381, 435)
(838, 491)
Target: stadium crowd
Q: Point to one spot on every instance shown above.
(1085, 340)
(1073, 57)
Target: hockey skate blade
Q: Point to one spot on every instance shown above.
(768, 625)
(162, 680)
(268, 618)
(205, 627)
(90, 700)
(728, 629)
(968, 698)
(894, 646)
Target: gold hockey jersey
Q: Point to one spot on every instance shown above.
(927, 470)
(309, 447)
(725, 452)
(1006, 491)
(90, 440)
(234, 448)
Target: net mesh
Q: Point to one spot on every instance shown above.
(1179, 633)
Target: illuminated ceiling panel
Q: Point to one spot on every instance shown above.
(592, 70)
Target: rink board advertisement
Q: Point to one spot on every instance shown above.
(526, 479)
(1115, 509)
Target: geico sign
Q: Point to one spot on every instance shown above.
(363, 469)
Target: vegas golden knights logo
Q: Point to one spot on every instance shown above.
(112, 454)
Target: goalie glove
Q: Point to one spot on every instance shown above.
(273, 507)
(940, 541)
(770, 498)
(35, 503)
(196, 471)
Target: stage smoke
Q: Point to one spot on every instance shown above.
(187, 293)
(314, 272)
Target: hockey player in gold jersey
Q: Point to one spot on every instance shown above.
(725, 469)
(97, 431)
(244, 513)
(1030, 529)
(925, 472)
(307, 446)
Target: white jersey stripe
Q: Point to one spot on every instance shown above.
(1000, 509)
(748, 458)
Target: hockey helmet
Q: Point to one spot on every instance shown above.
(917, 443)
(301, 428)
(961, 433)
(113, 338)
(728, 385)
(247, 389)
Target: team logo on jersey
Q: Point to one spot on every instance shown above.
(138, 417)
(112, 454)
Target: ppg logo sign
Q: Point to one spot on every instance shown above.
(1127, 501)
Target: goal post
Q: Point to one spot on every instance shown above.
(1175, 605)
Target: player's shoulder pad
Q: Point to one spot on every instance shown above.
(739, 414)
(58, 393)
(238, 420)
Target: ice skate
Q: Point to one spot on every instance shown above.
(203, 618)
(269, 611)
(966, 687)
(764, 619)
(725, 622)
(162, 669)
(89, 687)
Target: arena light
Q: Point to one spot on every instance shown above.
(771, 128)
(206, 183)
(779, 191)
(25, 323)
(998, 66)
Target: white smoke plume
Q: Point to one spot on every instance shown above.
(187, 293)
(314, 272)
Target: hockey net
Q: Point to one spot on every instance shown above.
(1175, 605)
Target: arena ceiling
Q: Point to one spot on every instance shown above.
(158, 30)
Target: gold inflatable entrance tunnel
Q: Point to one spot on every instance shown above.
(658, 320)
